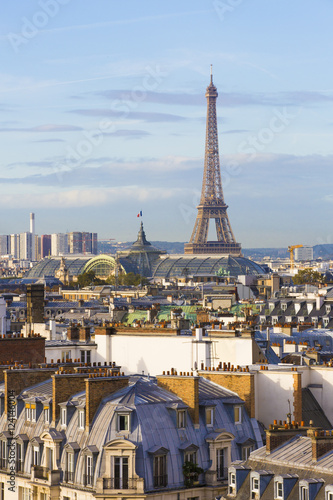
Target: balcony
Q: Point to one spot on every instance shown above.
(117, 483)
(19, 465)
(53, 477)
(160, 481)
(69, 477)
(87, 479)
(41, 472)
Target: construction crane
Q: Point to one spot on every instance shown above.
(291, 251)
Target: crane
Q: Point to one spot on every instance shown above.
(291, 251)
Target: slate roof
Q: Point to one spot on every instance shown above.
(311, 410)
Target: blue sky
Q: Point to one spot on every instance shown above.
(103, 115)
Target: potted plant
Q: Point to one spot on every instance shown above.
(191, 473)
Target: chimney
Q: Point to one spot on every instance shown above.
(64, 386)
(84, 333)
(32, 223)
(73, 332)
(98, 388)
(277, 435)
(186, 388)
(322, 442)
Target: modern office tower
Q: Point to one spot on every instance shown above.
(59, 244)
(45, 245)
(94, 243)
(75, 242)
(26, 246)
(82, 242)
(4, 244)
(15, 245)
(212, 205)
(304, 253)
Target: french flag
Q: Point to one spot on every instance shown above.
(139, 214)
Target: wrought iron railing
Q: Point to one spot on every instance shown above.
(69, 476)
(160, 481)
(87, 479)
(117, 483)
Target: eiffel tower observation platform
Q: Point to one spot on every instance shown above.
(213, 248)
(212, 206)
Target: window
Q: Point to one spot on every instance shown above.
(88, 475)
(81, 419)
(238, 414)
(209, 417)
(278, 490)
(3, 454)
(221, 463)
(33, 413)
(24, 493)
(232, 483)
(69, 473)
(329, 495)
(35, 456)
(121, 472)
(254, 487)
(66, 355)
(46, 414)
(303, 493)
(63, 416)
(27, 413)
(123, 422)
(49, 458)
(85, 356)
(246, 450)
(191, 456)
(181, 419)
(19, 458)
(160, 471)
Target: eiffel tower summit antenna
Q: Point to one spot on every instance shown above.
(212, 205)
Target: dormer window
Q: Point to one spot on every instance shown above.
(190, 456)
(46, 414)
(123, 421)
(33, 412)
(255, 487)
(88, 478)
(209, 417)
(81, 419)
(238, 414)
(278, 490)
(27, 412)
(284, 307)
(304, 492)
(63, 417)
(232, 483)
(181, 419)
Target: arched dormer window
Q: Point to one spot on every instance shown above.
(220, 455)
(119, 466)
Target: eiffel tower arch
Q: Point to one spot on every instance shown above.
(212, 205)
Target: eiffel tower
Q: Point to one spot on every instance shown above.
(212, 205)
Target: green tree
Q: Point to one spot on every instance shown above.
(308, 277)
(88, 278)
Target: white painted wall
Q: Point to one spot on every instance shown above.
(236, 350)
(272, 391)
(153, 354)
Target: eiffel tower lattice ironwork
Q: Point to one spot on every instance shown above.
(212, 205)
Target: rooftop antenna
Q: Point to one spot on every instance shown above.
(289, 414)
(211, 73)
